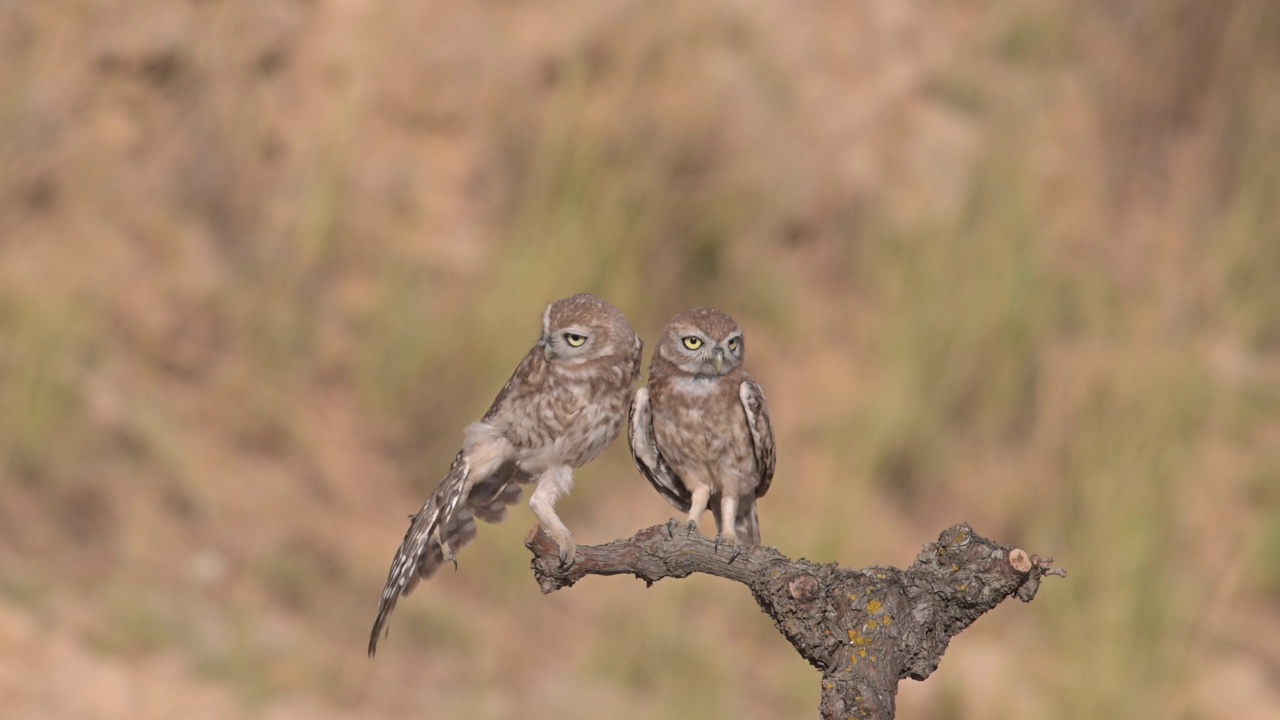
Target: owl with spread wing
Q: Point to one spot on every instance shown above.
(565, 403)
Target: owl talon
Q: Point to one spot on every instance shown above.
(567, 559)
(732, 542)
(671, 528)
(691, 529)
(446, 552)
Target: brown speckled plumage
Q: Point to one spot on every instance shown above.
(561, 408)
(700, 432)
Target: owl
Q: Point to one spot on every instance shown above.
(700, 432)
(565, 403)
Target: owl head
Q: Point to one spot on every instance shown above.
(702, 341)
(584, 327)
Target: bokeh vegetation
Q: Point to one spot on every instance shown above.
(1017, 264)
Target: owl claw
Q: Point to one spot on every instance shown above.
(446, 552)
(692, 529)
(671, 528)
(567, 559)
(731, 541)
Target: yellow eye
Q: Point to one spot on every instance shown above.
(733, 345)
(693, 343)
(574, 339)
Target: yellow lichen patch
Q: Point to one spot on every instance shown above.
(858, 640)
(872, 624)
(955, 568)
(874, 606)
(853, 658)
(886, 620)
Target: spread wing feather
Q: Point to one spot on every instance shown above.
(444, 525)
(447, 522)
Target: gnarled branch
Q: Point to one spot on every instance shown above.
(864, 629)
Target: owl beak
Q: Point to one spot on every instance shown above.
(548, 352)
(718, 360)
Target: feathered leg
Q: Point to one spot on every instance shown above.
(728, 534)
(552, 485)
(698, 505)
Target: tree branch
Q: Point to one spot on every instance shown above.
(864, 629)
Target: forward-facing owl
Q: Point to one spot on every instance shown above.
(563, 405)
(700, 431)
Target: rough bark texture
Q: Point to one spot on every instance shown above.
(864, 629)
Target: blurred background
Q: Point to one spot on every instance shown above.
(1012, 262)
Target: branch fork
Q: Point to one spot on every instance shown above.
(864, 629)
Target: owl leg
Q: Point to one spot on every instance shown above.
(446, 551)
(698, 505)
(728, 512)
(552, 485)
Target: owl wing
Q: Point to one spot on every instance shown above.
(757, 410)
(637, 354)
(649, 460)
(447, 521)
(527, 368)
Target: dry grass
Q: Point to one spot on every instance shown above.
(1014, 265)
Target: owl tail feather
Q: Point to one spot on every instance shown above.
(747, 524)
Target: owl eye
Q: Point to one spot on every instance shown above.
(693, 343)
(734, 344)
(574, 339)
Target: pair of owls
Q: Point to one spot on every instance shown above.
(699, 432)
